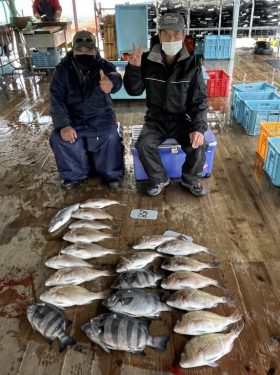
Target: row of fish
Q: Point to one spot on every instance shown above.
(72, 269)
(209, 345)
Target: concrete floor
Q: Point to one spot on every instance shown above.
(239, 218)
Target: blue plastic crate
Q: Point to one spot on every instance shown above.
(122, 94)
(131, 27)
(217, 47)
(173, 157)
(253, 86)
(239, 108)
(46, 57)
(272, 161)
(258, 111)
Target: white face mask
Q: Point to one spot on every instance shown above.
(172, 48)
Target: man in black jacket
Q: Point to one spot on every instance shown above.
(85, 138)
(176, 104)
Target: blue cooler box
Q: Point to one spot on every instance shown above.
(173, 157)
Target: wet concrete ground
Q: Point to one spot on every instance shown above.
(239, 218)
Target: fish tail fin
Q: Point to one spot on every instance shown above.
(214, 264)
(66, 341)
(229, 299)
(159, 342)
(221, 285)
(236, 316)
(101, 295)
(122, 203)
(236, 331)
(211, 252)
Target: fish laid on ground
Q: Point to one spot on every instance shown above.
(194, 299)
(181, 247)
(151, 241)
(206, 350)
(75, 276)
(136, 279)
(201, 322)
(62, 217)
(120, 332)
(89, 224)
(188, 279)
(71, 295)
(91, 214)
(136, 302)
(100, 203)
(87, 250)
(64, 261)
(184, 263)
(136, 261)
(86, 235)
(51, 323)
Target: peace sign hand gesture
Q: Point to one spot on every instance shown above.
(136, 57)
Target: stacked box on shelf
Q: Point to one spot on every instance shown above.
(258, 111)
(268, 130)
(46, 57)
(217, 47)
(239, 107)
(272, 161)
(131, 27)
(205, 74)
(122, 94)
(250, 87)
(172, 156)
(218, 83)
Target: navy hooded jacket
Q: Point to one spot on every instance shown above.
(77, 100)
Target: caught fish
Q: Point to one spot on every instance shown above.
(71, 295)
(194, 299)
(89, 224)
(100, 203)
(181, 247)
(87, 251)
(51, 323)
(188, 279)
(63, 261)
(62, 217)
(85, 235)
(136, 261)
(91, 214)
(136, 279)
(201, 322)
(151, 241)
(206, 350)
(183, 263)
(136, 302)
(75, 276)
(120, 332)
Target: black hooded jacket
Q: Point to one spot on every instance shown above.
(175, 94)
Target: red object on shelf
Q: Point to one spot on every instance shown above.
(218, 83)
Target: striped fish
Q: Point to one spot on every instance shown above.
(51, 323)
(136, 302)
(119, 332)
(136, 279)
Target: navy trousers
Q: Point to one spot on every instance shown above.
(91, 153)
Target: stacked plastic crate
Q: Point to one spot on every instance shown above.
(254, 103)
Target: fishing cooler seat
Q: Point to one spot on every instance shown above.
(172, 156)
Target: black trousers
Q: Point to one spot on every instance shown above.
(152, 135)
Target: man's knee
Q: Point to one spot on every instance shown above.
(143, 143)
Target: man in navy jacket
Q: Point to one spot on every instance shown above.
(85, 138)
